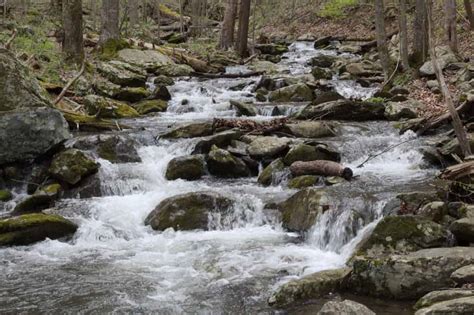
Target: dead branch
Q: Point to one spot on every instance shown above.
(373, 156)
(70, 83)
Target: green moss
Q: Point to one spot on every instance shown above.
(150, 106)
(5, 195)
(376, 100)
(110, 48)
(336, 8)
(303, 181)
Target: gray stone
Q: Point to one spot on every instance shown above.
(310, 129)
(190, 131)
(463, 229)
(149, 59)
(221, 140)
(399, 110)
(244, 109)
(441, 296)
(345, 307)
(460, 306)
(122, 73)
(268, 147)
(222, 163)
(269, 173)
(293, 93)
(464, 275)
(71, 166)
(190, 167)
(343, 110)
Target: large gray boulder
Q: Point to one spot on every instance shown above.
(122, 73)
(463, 229)
(188, 211)
(268, 147)
(464, 275)
(151, 60)
(343, 110)
(441, 296)
(191, 167)
(293, 93)
(222, 163)
(270, 173)
(398, 110)
(71, 166)
(25, 135)
(346, 307)
(459, 306)
(445, 58)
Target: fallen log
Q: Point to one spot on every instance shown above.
(322, 168)
(226, 75)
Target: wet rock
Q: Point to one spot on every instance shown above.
(264, 66)
(322, 42)
(175, 70)
(160, 93)
(89, 187)
(18, 87)
(413, 201)
(326, 96)
(103, 107)
(267, 83)
(323, 61)
(353, 49)
(452, 147)
(191, 167)
(463, 305)
(301, 152)
(293, 93)
(343, 110)
(244, 109)
(118, 149)
(463, 230)
(221, 163)
(33, 204)
(268, 147)
(303, 181)
(461, 210)
(150, 106)
(300, 211)
(29, 134)
(363, 69)
(163, 80)
(51, 190)
(345, 307)
(463, 275)
(128, 94)
(408, 276)
(313, 286)
(261, 95)
(122, 73)
(188, 211)
(71, 166)
(5, 195)
(221, 140)
(190, 131)
(445, 58)
(402, 234)
(321, 168)
(334, 180)
(148, 59)
(272, 49)
(31, 228)
(321, 73)
(398, 110)
(310, 129)
(435, 211)
(441, 296)
(270, 172)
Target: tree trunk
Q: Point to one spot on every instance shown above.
(73, 48)
(470, 15)
(243, 28)
(420, 41)
(382, 37)
(451, 34)
(94, 9)
(132, 7)
(227, 33)
(110, 15)
(403, 35)
(457, 124)
(57, 7)
(322, 168)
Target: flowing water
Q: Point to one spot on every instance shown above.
(115, 263)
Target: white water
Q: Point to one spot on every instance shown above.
(116, 264)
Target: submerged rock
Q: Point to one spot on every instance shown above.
(293, 93)
(346, 307)
(191, 167)
(71, 166)
(343, 110)
(222, 163)
(188, 211)
(31, 228)
(313, 286)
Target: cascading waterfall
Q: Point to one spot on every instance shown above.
(117, 264)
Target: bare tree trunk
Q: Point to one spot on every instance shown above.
(73, 47)
(227, 33)
(470, 15)
(243, 28)
(420, 42)
(403, 35)
(382, 37)
(110, 15)
(451, 34)
(132, 12)
(457, 124)
(57, 7)
(94, 9)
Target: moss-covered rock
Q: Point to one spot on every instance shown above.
(122, 73)
(269, 173)
(31, 228)
(272, 49)
(151, 60)
(222, 163)
(132, 94)
(343, 110)
(188, 211)
(402, 110)
(190, 167)
(221, 140)
(310, 287)
(303, 181)
(301, 152)
(52, 190)
(33, 204)
(293, 93)
(71, 166)
(5, 195)
(244, 109)
(150, 106)
(111, 47)
(321, 73)
(103, 107)
(163, 80)
(174, 70)
(268, 147)
(118, 149)
(190, 131)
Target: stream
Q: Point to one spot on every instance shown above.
(116, 264)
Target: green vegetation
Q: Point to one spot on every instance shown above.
(335, 8)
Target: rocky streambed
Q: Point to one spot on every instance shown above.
(189, 211)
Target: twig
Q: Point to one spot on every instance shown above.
(10, 41)
(373, 156)
(70, 83)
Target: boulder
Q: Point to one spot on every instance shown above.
(128, 94)
(19, 89)
(271, 49)
(326, 96)
(321, 168)
(293, 93)
(445, 58)
(268, 147)
(463, 229)
(190, 131)
(103, 107)
(221, 140)
(264, 66)
(269, 173)
(398, 110)
(459, 306)
(31, 228)
(304, 152)
(26, 135)
(343, 110)
(303, 181)
(346, 307)
(244, 109)
(463, 275)
(150, 106)
(364, 69)
(323, 61)
(402, 234)
(313, 286)
(33, 204)
(408, 276)
(122, 73)
(160, 92)
(188, 211)
(441, 296)
(191, 167)
(71, 166)
(321, 73)
(151, 60)
(322, 42)
(174, 70)
(300, 211)
(163, 80)
(310, 129)
(5, 195)
(221, 163)
(118, 149)
(453, 147)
